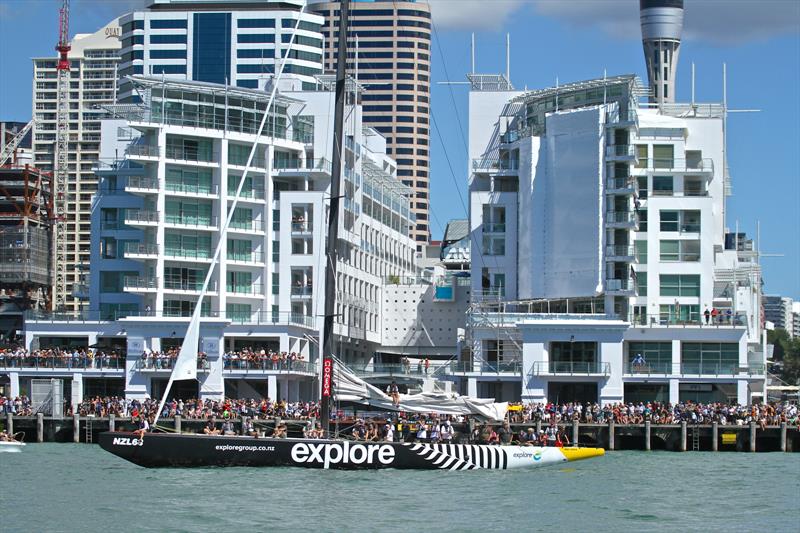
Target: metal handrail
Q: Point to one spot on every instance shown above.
(694, 369)
(65, 361)
(571, 367)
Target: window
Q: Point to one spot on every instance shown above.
(669, 220)
(157, 24)
(168, 39)
(679, 314)
(662, 186)
(709, 357)
(657, 356)
(494, 219)
(679, 285)
(256, 23)
(167, 54)
(690, 221)
(693, 186)
(168, 69)
(640, 248)
(672, 250)
(663, 156)
(255, 38)
(494, 245)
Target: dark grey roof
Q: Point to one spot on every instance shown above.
(456, 230)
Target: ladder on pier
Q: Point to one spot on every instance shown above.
(88, 430)
(696, 438)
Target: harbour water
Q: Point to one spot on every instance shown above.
(78, 487)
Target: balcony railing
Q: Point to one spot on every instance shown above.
(248, 194)
(65, 361)
(618, 285)
(305, 290)
(694, 369)
(257, 162)
(142, 182)
(143, 150)
(246, 225)
(234, 363)
(484, 367)
(489, 227)
(703, 165)
(190, 187)
(624, 184)
(621, 217)
(494, 165)
(159, 362)
(585, 368)
(140, 248)
(620, 250)
(188, 253)
(302, 227)
(133, 216)
(137, 282)
(693, 320)
(190, 154)
(295, 165)
(191, 220)
(254, 289)
(246, 257)
(621, 150)
(257, 317)
(187, 285)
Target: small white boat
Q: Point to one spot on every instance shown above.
(11, 446)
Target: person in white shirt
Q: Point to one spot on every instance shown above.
(446, 432)
(422, 432)
(388, 432)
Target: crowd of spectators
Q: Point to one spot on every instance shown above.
(61, 358)
(253, 358)
(766, 414)
(18, 406)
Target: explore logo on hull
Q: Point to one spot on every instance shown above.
(342, 453)
(127, 441)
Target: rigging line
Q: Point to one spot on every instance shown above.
(450, 87)
(473, 244)
(197, 312)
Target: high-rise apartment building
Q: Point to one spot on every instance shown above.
(92, 83)
(237, 42)
(390, 49)
(779, 311)
(597, 227)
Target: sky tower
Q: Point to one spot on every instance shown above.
(662, 25)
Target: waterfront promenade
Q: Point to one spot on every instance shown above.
(611, 436)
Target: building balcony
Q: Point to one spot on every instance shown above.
(139, 284)
(701, 166)
(253, 290)
(621, 186)
(246, 226)
(620, 287)
(622, 119)
(302, 228)
(184, 286)
(141, 184)
(495, 166)
(143, 151)
(158, 363)
(571, 368)
(233, 365)
(692, 369)
(98, 364)
(190, 155)
(666, 320)
(248, 195)
(191, 189)
(192, 221)
(621, 219)
(241, 162)
(621, 152)
(495, 368)
(303, 292)
(250, 258)
(140, 250)
(141, 217)
(188, 254)
(309, 167)
(494, 227)
(623, 253)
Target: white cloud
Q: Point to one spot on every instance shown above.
(715, 21)
(473, 14)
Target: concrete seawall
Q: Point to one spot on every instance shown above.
(673, 437)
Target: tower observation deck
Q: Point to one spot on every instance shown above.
(662, 25)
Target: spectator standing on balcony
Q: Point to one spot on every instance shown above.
(714, 314)
(707, 315)
(406, 365)
(427, 365)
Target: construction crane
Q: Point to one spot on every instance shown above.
(60, 158)
(11, 147)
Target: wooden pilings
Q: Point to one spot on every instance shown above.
(783, 437)
(112, 422)
(714, 436)
(9, 423)
(752, 436)
(611, 432)
(76, 429)
(178, 423)
(683, 435)
(575, 432)
(39, 427)
(647, 435)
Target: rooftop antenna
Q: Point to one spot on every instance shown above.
(556, 93)
(605, 87)
(473, 52)
(693, 106)
(508, 57)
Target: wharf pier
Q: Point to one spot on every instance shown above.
(611, 436)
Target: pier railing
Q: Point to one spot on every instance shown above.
(66, 362)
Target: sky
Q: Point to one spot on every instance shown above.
(570, 40)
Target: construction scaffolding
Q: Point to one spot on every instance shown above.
(26, 215)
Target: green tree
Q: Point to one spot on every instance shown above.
(791, 361)
(778, 337)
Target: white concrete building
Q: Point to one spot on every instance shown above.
(780, 311)
(237, 42)
(93, 82)
(169, 174)
(598, 236)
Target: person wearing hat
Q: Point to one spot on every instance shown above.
(446, 432)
